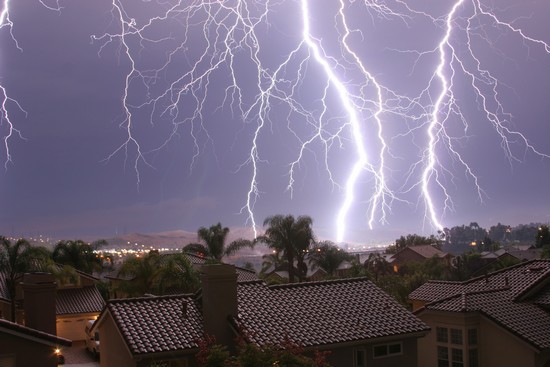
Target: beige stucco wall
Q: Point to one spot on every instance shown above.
(114, 351)
(499, 348)
(496, 346)
(344, 357)
(72, 327)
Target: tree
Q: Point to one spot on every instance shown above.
(465, 265)
(178, 273)
(155, 273)
(377, 265)
(292, 237)
(14, 262)
(525, 232)
(287, 354)
(141, 274)
(78, 254)
(500, 232)
(213, 246)
(327, 256)
(412, 240)
(272, 261)
(543, 237)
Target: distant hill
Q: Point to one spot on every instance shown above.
(172, 239)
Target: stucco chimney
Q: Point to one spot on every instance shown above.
(39, 301)
(219, 301)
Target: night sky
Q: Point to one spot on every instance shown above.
(73, 176)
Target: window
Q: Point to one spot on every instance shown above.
(456, 336)
(457, 357)
(472, 336)
(473, 358)
(442, 335)
(359, 358)
(386, 350)
(448, 355)
(442, 357)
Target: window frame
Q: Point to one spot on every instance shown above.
(387, 347)
(359, 351)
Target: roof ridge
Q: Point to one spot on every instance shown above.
(246, 282)
(542, 281)
(34, 332)
(464, 294)
(152, 297)
(504, 270)
(318, 282)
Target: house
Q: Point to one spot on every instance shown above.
(353, 319)
(76, 303)
(36, 343)
(419, 253)
(21, 346)
(501, 319)
(280, 275)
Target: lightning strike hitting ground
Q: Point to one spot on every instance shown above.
(324, 90)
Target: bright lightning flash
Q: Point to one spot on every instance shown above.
(215, 37)
(5, 99)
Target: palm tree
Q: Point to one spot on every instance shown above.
(141, 274)
(213, 246)
(376, 264)
(13, 263)
(272, 261)
(292, 237)
(78, 254)
(177, 273)
(328, 256)
(155, 273)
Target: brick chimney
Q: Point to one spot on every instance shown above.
(219, 301)
(39, 301)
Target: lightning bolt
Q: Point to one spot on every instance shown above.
(207, 43)
(230, 27)
(445, 105)
(5, 99)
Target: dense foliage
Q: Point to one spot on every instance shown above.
(250, 355)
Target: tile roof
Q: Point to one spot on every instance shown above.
(519, 278)
(524, 319)
(426, 251)
(157, 324)
(78, 300)
(321, 313)
(542, 297)
(510, 297)
(9, 327)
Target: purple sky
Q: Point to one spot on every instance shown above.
(60, 184)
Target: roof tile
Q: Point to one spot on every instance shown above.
(158, 324)
(78, 300)
(319, 313)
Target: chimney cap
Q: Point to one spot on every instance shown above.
(217, 269)
(38, 278)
